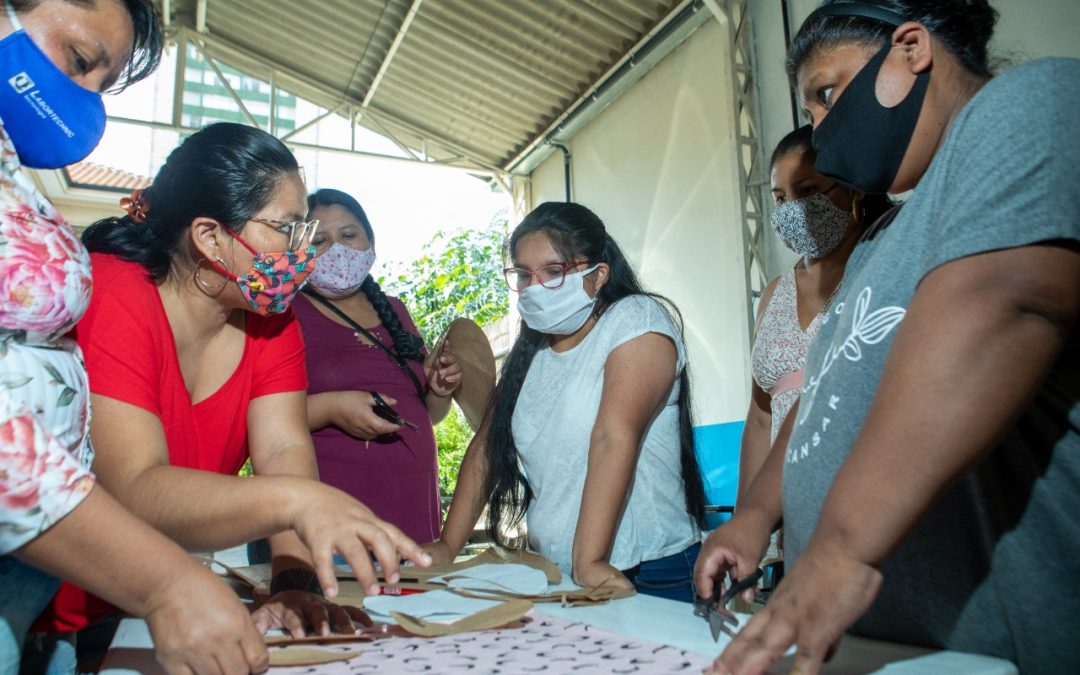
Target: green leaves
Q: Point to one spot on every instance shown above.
(452, 436)
(459, 274)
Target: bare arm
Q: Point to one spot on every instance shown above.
(197, 622)
(197, 509)
(638, 376)
(754, 446)
(469, 498)
(443, 374)
(280, 445)
(967, 391)
(967, 359)
(737, 547)
(207, 511)
(320, 410)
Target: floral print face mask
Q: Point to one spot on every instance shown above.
(342, 270)
(274, 278)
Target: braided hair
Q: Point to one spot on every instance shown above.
(406, 344)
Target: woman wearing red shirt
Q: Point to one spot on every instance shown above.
(196, 363)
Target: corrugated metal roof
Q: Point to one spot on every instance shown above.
(481, 78)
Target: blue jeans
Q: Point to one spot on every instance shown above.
(26, 592)
(670, 577)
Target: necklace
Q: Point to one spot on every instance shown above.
(362, 340)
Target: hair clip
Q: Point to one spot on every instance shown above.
(136, 206)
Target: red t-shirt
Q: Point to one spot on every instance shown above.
(131, 356)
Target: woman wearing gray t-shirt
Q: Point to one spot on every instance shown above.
(931, 486)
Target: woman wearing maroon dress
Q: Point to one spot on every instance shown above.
(359, 341)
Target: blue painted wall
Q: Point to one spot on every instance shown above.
(718, 455)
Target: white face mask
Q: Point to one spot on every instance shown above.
(813, 226)
(341, 270)
(559, 311)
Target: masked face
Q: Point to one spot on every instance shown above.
(274, 279)
(560, 311)
(812, 226)
(341, 270)
(861, 143)
(52, 121)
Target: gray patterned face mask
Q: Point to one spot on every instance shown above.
(813, 226)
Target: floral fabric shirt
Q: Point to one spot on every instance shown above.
(44, 398)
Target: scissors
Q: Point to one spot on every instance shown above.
(715, 611)
(383, 410)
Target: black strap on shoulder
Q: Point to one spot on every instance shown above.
(394, 356)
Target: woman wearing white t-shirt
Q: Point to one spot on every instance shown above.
(589, 433)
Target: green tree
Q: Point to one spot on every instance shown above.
(459, 274)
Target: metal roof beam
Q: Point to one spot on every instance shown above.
(313, 121)
(472, 168)
(385, 65)
(322, 95)
(228, 87)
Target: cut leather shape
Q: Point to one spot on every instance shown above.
(494, 617)
(307, 656)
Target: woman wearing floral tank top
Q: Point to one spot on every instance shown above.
(821, 221)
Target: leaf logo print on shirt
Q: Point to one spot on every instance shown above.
(867, 328)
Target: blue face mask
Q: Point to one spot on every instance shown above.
(52, 121)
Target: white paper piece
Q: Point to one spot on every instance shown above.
(506, 577)
(440, 606)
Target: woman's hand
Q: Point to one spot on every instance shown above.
(354, 413)
(440, 552)
(199, 626)
(735, 548)
(823, 594)
(444, 374)
(300, 612)
(600, 573)
(328, 521)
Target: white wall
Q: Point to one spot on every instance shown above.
(658, 167)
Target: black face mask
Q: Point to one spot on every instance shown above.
(861, 143)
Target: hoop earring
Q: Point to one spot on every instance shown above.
(209, 287)
(856, 213)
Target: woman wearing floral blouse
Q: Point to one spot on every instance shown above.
(53, 520)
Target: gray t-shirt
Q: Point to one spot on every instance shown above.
(993, 566)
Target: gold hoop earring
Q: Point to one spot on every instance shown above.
(209, 287)
(856, 213)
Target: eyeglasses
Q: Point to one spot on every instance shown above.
(300, 233)
(549, 276)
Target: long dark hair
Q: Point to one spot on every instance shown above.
(406, 344)
(225, 171)
(874, 206)
(963, 26)
(577, 234)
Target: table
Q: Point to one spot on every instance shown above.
(656, 620)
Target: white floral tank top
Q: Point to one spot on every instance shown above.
(44, 398)
(780, 347)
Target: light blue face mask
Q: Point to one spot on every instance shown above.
(52, 121)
